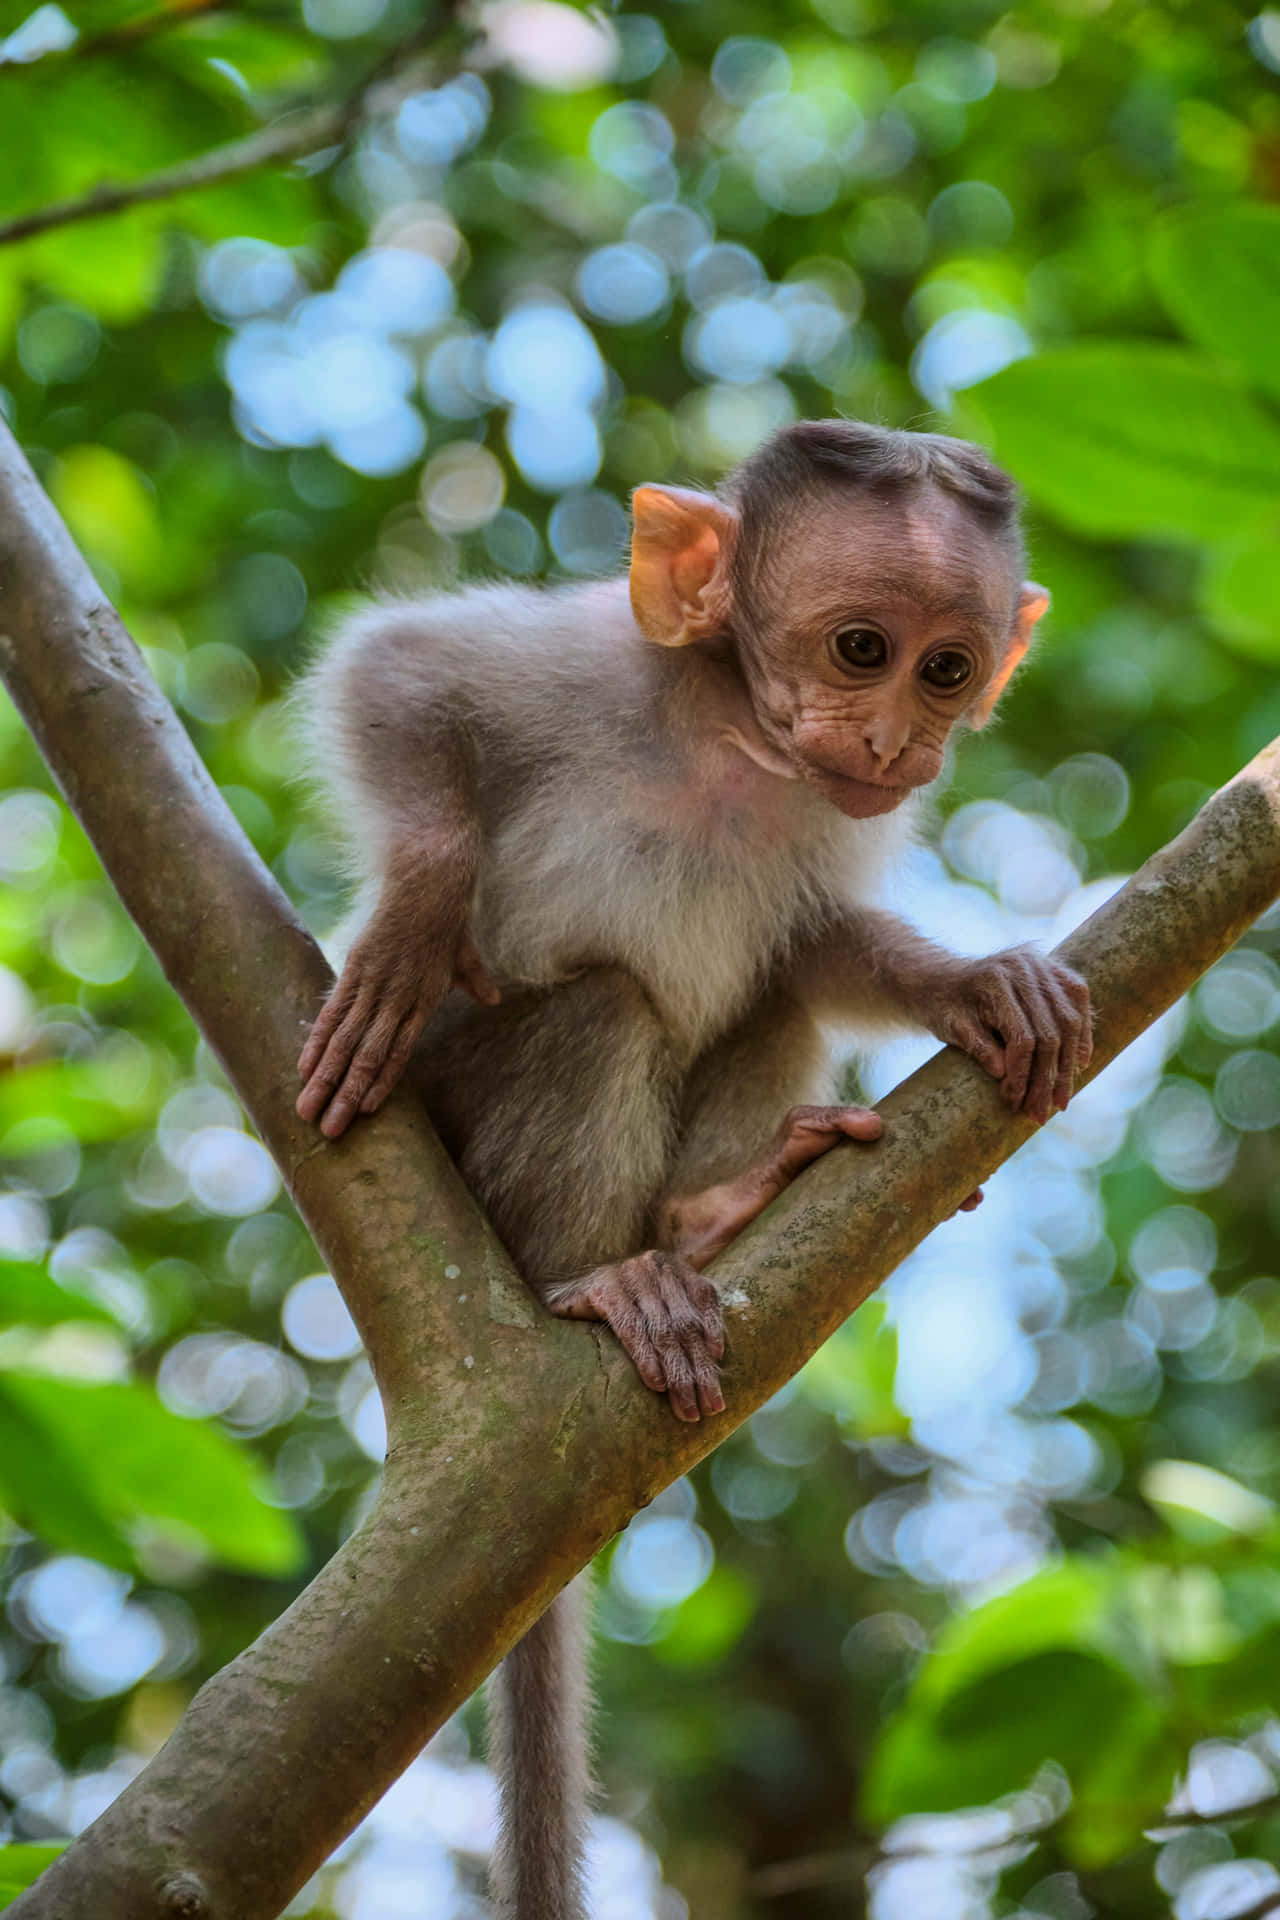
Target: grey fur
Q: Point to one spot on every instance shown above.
(647, 940)
(538, 1738)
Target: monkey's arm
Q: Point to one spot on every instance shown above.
(399, 773)
(1022, 1016)
(415, 946)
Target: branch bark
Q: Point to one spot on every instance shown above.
(493, 1408)
(306, 131)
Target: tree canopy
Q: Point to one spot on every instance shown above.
(399, 297)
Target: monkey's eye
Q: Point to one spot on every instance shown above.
(861, 647)
(947, 669)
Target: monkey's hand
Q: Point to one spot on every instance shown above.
(698, 1226)
(1023, 1017)
(668, 1319)
(392, 983)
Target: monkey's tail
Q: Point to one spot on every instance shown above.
(538, 1742)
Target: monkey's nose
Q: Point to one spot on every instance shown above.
(884, 748)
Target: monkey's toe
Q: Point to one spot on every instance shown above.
(667, 1318)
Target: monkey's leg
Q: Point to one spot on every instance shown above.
(736, 1153)
(560, 1106)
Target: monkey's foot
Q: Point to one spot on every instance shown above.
(1026, 1020)
(701, 1225)
(666, 1317)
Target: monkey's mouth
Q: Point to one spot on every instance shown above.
(857, 799)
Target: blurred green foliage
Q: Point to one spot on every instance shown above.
(588, 252)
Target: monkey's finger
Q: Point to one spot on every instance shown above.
(1073, 995)
(681, 1338)
(606, 1295)
(1044, 1066)
(323, 1085)
(1081, 998)
(1070, 1035)
(471, 974)
(706, 1381)
(704, 1300)
(975, 1199)
(1019, 1037)
(980, 1044)
(629, 1330)
(708, 1349)
(325, 1025)
(682, 1383)
(809, 1132)
(676, 1367)
(386, 1018)
(351, 1063)
(407, 1037)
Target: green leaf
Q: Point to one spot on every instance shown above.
(44, 1486)
(1064, 1606)
(990, 1738)
(1122, 1786)
(267, 57)
(1217, 268)
(21, 1864)
(29, 1297)
(1136, 439)
(1202, 1505)
(1223, 1691)
(143, 1465)
(1240, 592)
(1021, 1680)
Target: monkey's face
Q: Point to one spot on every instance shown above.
(880, 626)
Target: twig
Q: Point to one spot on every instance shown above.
(1261, 1909)
(853, 1863)
(121, 38)
(322, 127)
(308, 131)
(811, 1870)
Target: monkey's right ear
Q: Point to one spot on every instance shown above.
(680, 547)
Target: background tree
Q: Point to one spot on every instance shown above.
(489, 294)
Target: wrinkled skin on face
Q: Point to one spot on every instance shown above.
(874, 628)
(876, 637)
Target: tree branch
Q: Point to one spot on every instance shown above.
(125, 36)
(494, 1409)
(307, 130)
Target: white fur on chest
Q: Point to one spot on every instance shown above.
(575, 880)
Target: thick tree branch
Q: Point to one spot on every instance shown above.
(306, 131)
(518, 1444)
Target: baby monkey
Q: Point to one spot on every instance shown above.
(622, 848)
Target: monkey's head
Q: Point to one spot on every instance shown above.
(870, 585)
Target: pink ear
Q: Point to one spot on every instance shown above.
(1033, 604)
(680, 546)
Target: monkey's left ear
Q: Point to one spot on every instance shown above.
(680, 547)
(1033, 604)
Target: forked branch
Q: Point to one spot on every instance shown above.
(493, 1408)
